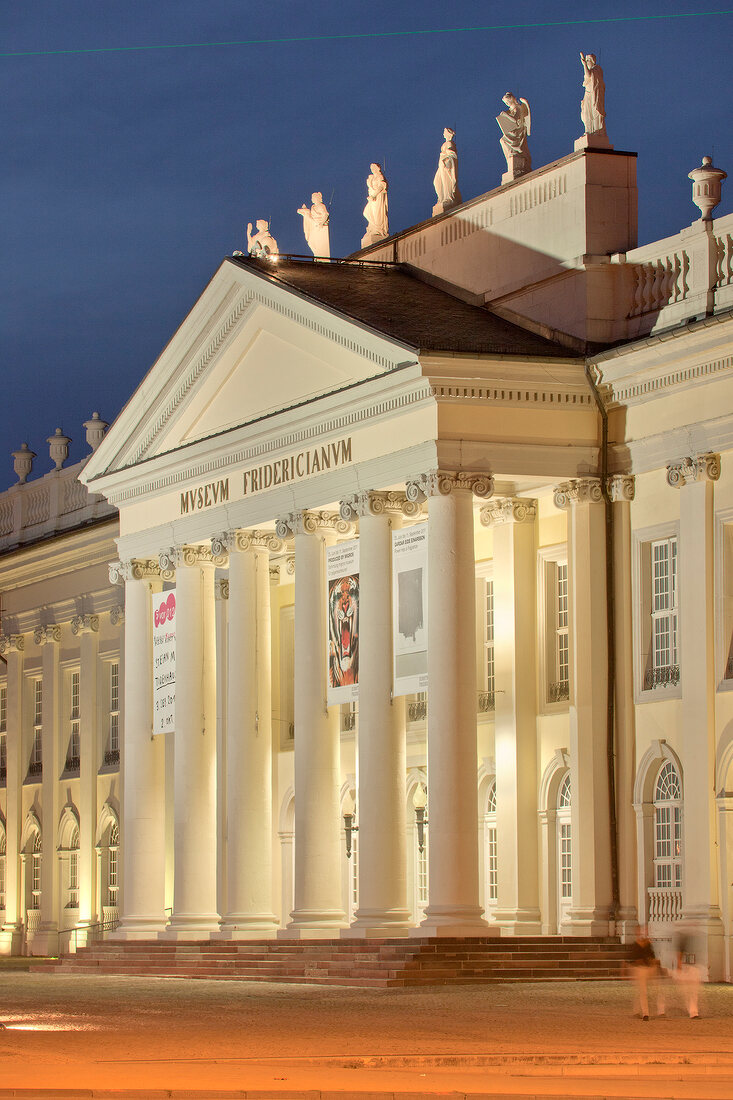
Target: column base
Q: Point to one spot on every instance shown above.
(626, 923)
(378, 924)
(139, 928)
(448, 921)
(517, 922)
(263, 927)
(308, 924)
(45, 942)
(11, 939)
(586, 922)
(200, 926)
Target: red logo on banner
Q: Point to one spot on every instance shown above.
(166, 611)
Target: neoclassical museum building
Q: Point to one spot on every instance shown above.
(398, 599)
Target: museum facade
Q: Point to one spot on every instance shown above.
(398, 600)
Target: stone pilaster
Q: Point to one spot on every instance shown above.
(12, 647)
(46, 940)
(515, 663)
(86, 628)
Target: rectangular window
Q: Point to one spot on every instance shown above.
(112, 876)
(3, 756)
(3, 708)
(36, 764)
(114, 706)
(422, 875)
(492, 863)
(74, 880)
(74, 750)
(3, 735)
(555, 625)
(562, 651)
(566, 865)
(489, 636)
(36, 881)
(2, 877)
(663, 662)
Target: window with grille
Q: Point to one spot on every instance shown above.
(422, 875)
(73, 753)
(37, 750)
(565, 838)
(489, 635)
(492, 851)
(562, 652)
(112, 878)
(555, 607)
(668, 829)
(74, 870)
(36, 872)
(664, 603)
(354, 869)
(2, 871)
(114, 708)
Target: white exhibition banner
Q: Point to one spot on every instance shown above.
(342, 586)
(164, 661)
(410, 608)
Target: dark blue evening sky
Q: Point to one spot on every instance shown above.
(130, 174)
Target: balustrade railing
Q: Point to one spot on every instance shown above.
(661, 677)
(665, 904)
(73, 763)
(486, 702)
(417, 710)
(558, 692)
(112, 756)
(35, 767)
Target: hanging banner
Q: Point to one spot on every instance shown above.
(164, 661)
(410, 608)
(342, 583)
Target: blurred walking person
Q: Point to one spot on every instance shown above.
(643, 967)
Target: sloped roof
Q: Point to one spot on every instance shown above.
(390, 300)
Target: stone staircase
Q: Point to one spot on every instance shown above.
(366, 963)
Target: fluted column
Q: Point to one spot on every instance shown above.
(590, 820)
(515, 666)
(194, 745)
(318, 908)
(695, 477)
(46, 940)
(249, 912)
(142, 825)
(454, 908)
(383, 909)
(621, 493)
(12, 647)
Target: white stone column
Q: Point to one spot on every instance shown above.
(142, 821)
(46, 940)
(515, 663)
(11, 934)
(86, 628)
(194, 913)
(382, 770)
(454, 908)
(318, 908)
(700, 896)
(590, 822)
(621, 493)
(249, 913)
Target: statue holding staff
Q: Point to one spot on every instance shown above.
(445, 181)
(315, 226)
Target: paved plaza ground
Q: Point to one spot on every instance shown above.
(86, 1036)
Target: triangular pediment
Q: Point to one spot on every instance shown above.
(249, 349)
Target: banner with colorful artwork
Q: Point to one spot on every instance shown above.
(342, 584)
(164, 661)
(410, 608)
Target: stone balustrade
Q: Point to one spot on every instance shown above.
(47, 505)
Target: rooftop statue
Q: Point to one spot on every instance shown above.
(515, 126)
(375, 210)
(315, 226)
(593, 105)
(446, 178)
(261, 243)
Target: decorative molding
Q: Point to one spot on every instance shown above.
(636, 390)
(311, 523)
(442, 482)
(698, 468)
(508, 510)
(47, 634)
(12, 643)
(117, 615)
(581, 490)
(290, 565)
(621, 487)
(567, 397)
(371, 502)
(85, 624)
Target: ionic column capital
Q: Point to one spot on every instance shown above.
(372, 502)
(579, 490)
(705, 467)
(508, 510)
(43, 635)
(10, 643)
(221, 590)
(442, 482)
(226, 541)
(117, 615)
(180, 557)
(621, 487)
(312, 523)
(135, 569)
(85, 624)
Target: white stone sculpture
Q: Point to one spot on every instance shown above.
(515, 125)
(261, 243)
(707, 185)
(376, 210)
(593, 105)
(446, 177)
(315, 226)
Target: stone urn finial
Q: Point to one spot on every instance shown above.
(58, 446)
(95, 429)
(706, 186)
(23, 463)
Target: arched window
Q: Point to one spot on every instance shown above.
(668, 829)
(36, 857)
(73, 902)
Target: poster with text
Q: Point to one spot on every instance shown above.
(342, 583)
(164, 661)
(410, 608)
